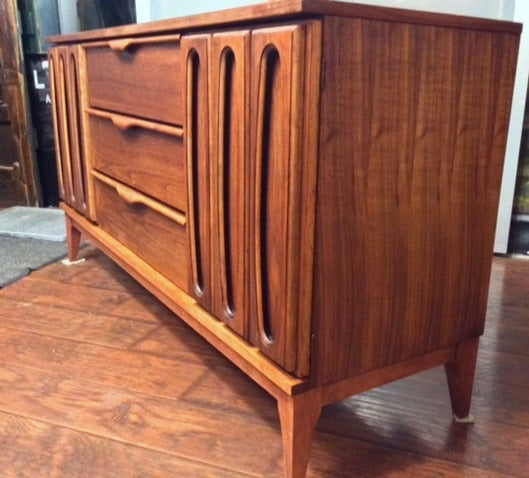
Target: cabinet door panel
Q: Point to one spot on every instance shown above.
(66, 72)
(277, 59)
(58, 86)
(75, 124)
(229, 147)
(196, 138)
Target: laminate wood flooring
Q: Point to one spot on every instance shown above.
(98, 379)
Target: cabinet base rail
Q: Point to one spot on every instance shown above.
(299, 401)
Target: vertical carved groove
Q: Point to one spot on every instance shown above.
(54, 78)
(227, 67)
(268, 72)
(193, 67)
(67, 155)
(81, 192)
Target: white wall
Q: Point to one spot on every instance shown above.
(503, 9)
(521, 14)
(159, 9)
(68, 16)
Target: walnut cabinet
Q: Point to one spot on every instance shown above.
(312, 186)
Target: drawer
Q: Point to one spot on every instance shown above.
(137, 76)
(144, 155)
(152, 231)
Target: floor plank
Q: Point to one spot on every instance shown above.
(97, 378)
(83, 326)
(160, 424)
(33, 448)
(178, 342)
(102, 365)
(79, 297)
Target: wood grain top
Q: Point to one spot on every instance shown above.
(288, 9)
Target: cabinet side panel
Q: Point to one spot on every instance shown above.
(413, 128)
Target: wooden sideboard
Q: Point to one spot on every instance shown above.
(312, 186)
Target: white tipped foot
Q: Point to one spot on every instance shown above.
(68, 262)
(467, 420)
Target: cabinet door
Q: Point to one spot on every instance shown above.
(72, 168)
(196, 140)
(279, 68)
(229, 153)
(249, 163)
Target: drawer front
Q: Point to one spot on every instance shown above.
(140, 77)
(147, 156)
(130, 218)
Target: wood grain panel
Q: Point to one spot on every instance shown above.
(66, 83)
(154, 237)
(140, 78)
(55, 85)
(196, 142)
(229, 117)
(144, 159)
(405, 229)
(75, 125)
(278, 58)
(62, 134)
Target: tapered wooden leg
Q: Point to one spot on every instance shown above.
(73, 240)
(460, 377)
(299, 415)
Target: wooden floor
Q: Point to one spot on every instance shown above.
(98, 379)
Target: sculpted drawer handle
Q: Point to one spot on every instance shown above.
(123, 44)
(128, 195)
(132, 197)
(119, 45)
(125, 123)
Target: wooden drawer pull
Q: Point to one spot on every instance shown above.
(132, 197)
(123, 44)
(128, 195)
(119, 45)
(125, 123)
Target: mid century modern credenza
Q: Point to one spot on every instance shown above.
(312, 186)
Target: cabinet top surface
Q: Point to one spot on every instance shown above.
(290, 9)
